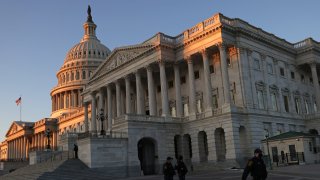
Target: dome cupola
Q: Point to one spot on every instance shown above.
(79, 64)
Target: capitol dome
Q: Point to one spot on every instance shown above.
(79, 64)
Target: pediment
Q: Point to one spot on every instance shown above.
(13, 129)
(121, 56)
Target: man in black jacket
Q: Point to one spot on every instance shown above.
(256, 167)
(168, 170)
(181, 168)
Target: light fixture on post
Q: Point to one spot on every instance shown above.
(267, 138)
(102, 117)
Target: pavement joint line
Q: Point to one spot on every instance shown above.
(294, 175)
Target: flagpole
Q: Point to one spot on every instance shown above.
(20, 106)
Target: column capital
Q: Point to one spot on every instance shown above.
(232, 50)
(204, 51)
(188, 59)
(148, 67)
(313, 64)
(221, 45)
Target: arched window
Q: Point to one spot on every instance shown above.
(72, 76)
(67, 77)
(77, 75)
(83, 74)
(64, 78)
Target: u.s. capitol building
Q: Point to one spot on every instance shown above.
(210, 94)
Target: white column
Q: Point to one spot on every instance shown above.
(109, 94)
(225, 75)
(313, 67)
(192, 91)
(164, 89)
(177, 84)
(207, 80)
(118, 100)
(151, 92)
(86, 117)
(128, 94)
(65, 100)
(93, 114)
(140, 101)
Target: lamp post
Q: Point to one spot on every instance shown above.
(102, 117)
(48, 133)
(267, 138)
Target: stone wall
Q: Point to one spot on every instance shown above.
(105, 153)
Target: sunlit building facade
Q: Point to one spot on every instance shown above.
(210, 94)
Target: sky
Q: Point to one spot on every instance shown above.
(35, 36)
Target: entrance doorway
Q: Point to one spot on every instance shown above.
(147, 155)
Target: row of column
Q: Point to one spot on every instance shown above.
(140, 102)
(315, 78)
(38, 141)
(18, 148)
(66, 99)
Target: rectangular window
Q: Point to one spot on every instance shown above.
(170, 84)
(297, 105)
(183, 80)
(186, 109)
(260, 100)
(256, 64)
(229, 62)
(302, 78)
(286, 103)
(306, 104)
(282, 71)
(159, 88)
(274, 102)
(292, 75)
(211, 68)
(215, 101)
(196, 75)
(310, 146)
(270, 68)
(311, 80)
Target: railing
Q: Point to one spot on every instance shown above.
(68, 135)
(41, 148)
(15, 160)
(55, 155)
(289, 158)
(110, 135)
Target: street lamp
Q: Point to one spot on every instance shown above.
(102, 117)
(267, 137)
(48, 133)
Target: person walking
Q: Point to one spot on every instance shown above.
(168, 170)
(75, 149)
(181, 168)
(256, 167)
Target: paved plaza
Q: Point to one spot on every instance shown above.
(302, 172)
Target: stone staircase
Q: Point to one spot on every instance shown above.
(52, 170)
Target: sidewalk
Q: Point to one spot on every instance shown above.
(311, 170)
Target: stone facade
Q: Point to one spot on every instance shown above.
(208, 94)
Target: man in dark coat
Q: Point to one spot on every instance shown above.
(181, 168)
(75, 149)
(168, 170)
(256, 167)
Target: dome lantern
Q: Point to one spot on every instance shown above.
(89, 27)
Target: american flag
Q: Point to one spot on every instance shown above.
(18, 101)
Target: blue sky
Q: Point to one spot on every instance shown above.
(35, 36)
